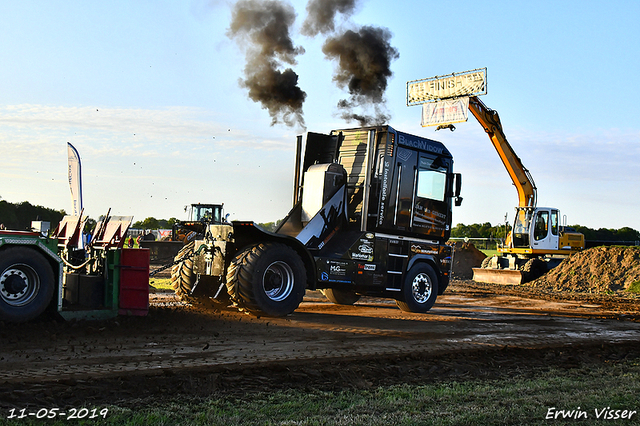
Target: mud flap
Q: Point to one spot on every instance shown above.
(497, 276)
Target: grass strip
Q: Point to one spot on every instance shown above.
(557, 396)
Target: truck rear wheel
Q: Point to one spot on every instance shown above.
(268, 278)
(420, 289)
(26, 284)
(341, 297)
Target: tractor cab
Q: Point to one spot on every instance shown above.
(211, 213)
(199, 217)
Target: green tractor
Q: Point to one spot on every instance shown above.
(196, 233)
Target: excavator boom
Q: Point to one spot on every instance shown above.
(520, 176)
(537, 239)
(536, 231)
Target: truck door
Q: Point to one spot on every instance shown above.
(406, 175)
(431, 211)
(545, 229)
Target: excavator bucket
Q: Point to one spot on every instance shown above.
(497, 276)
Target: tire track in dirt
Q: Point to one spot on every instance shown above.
(179, 338)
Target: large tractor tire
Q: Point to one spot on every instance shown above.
(420, 289)
(183, 280)
(27, 284)
(182, 276)
(341, 297)
(267, 279)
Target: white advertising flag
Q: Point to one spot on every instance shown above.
(75, 179)
(445, 112)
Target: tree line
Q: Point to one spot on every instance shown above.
(486, 230)
(153, 223)
(20, 215)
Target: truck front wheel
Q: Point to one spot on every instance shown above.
(26, 284)
(420, 289)
(268, 278)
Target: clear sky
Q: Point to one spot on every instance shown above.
(148, 92)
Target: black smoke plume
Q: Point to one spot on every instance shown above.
(364, 67)
(262, 28)
(321, 15)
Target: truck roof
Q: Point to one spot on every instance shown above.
(405, 139)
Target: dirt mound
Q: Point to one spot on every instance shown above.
(595, 270)
(465, 257)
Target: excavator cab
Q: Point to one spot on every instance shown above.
(534, 228)
(546, 230)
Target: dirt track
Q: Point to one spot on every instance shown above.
(181, 347)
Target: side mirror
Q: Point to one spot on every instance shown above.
(458, 189)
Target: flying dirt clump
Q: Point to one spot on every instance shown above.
(465, 257)
(595, 270)
(262, 28)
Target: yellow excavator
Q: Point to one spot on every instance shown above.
(537, 241)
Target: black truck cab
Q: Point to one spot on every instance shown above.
(373, 205)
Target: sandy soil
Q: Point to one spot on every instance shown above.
(474, 330)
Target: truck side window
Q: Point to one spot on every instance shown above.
(431, 182)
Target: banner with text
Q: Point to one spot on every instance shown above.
(468, 83)
(75, 179)
(445, 112)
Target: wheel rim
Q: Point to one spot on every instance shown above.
(277, 281)
(19, 285)
(421, 288)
